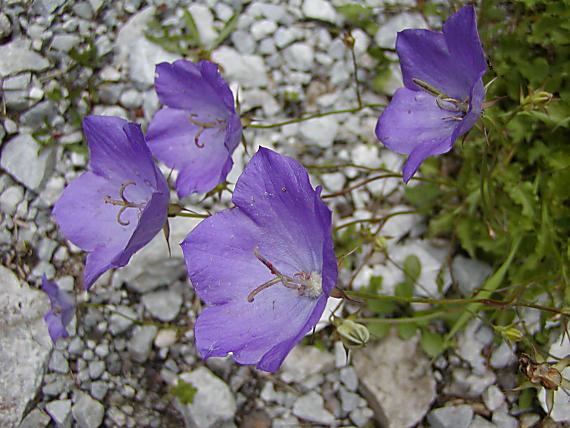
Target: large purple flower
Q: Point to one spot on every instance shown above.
(61, 312)
(198, 130)
(264, 268)
(120, 204)
(443, 91)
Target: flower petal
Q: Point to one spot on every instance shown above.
(421, 153)
(413, 119)
(197, 88)
(171, 137)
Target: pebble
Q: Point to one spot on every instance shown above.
(5, 26)
(299, 56)
(349, 400)
(118, 323)
(60, 412)
(58, 363)
(35, 419)
(140, 344)
(304, 361)
(349, 378)
(310, 407)
(493, 397)
(65, 42)
(319, 9)
(247, 70)
(164, 304)
(165, 338)
(10, 198)
(96, 369)
(99, 389)
(321, 131)
(504, 420)
(22, 58)
(87, 412)
(451, 417)
(469, 274)
(386, 35)
(204, 22)
(263, 28)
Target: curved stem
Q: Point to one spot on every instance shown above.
(360, 184)
(313, 116)
(374, 219)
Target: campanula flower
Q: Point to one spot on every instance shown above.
(443, 94)
(61, 312)
(264, 268)
(120, 203)
(198, 130)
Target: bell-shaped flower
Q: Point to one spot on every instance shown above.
(198, 129)
(61, 312)
(443, 94)
(120, 203)
(264, 268)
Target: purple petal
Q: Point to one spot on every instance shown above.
(413, 119)
(421, 153)
(171, 138)
(198, 89)
(463, 42)
(476, 98)
(61, 312)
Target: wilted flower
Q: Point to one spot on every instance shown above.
(264, 268)
(198, 130)
(62, 308)
(120, 204)
(443, 93)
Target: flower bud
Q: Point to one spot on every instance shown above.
(510, 333)
(536, 100)
(348, 39)
(352, 334)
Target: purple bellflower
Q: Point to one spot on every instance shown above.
(264, 268)
(62, 308)
(198, 130)
(443, 94)
(120, 204)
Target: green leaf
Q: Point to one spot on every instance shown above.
(404, 289)
(379, 330)
(228, 29)
(412, 267)
(355, 13)
(407, 330)
(432, 343)
(194, 34)
(184, 391)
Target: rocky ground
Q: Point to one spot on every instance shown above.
(63, 59)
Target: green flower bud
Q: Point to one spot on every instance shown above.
(352, 334)
(536, 100)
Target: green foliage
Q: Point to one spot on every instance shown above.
(184, 391)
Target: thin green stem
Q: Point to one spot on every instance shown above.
(192, 215)
(374, 219)
(313, 116)
(359, 184)
(356, 82)
(403, 320)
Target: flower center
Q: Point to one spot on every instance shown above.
(444, 101)
(124, 203)
(307, 284)
(202, 127)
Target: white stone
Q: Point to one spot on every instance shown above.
(319, 9)
(311, 408)
(10, 198)
(263, 28)
(247, 70)
(21, 58)
(469, 274)
(24, 334)
(165, 338)
(204, 21)
(284, 36)
(213, 403)
(493, 398)
(299, 56)
(140, 344)
(451, 417)
(27, 162)
(163, 304)
(65, 42)
(139, 54)
(503, 356)
(366, 155)
(321, 131)
(87, 412)
(60, 411)
(393, 372)
(304, 361)
(387, 32)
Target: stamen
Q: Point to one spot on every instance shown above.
(427, 87)
(197, 138)
(202, 127)
(264, 286)
(124, 203)
(121, 222)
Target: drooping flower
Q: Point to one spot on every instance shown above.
(120, 204)
(264, 268)
(198, 130)
(443, 94)
(61, 312)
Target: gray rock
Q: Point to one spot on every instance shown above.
(469, 274)
(386, 388)
(58, 363)
(204, 23)
(284, 36)
(310, 407)
(38, 115)
(243, 41)
(319, 9)
(60, 412)
(451, 417)
(24, 159)
(493, 398)
(480, 422)
(119, 323)
(46, 7)
(163, 304)
(140, 344)
(22, 58)
(361, 416)
(263, 28)
(83, 10)
(10, 198)
(65, 42)
(131, 99)
(299, 56)
(213, 403)
(503, 356)
(5, 26)
(96, 369)
(321, 131)
(504, 420)
(35, 419)
(134, 49)
(303, 362)
(24, 333)
(386, 35)
(349, 377)
(87, 412)
(99, 389)
(349, 400)
(247, 70)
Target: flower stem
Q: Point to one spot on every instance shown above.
(374, 219)
(192, 215)
(360, 184)
(356, 82)
(313, 116)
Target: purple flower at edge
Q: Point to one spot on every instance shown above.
(264, 268)
(120, 204)
(61, 312)
(198, 130)
(443, 93)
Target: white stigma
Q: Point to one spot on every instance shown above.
(312, 286)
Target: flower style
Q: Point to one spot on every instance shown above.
(443, 94)
(120, 204)
(198, 130)
(264, 268)
(62, 308)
